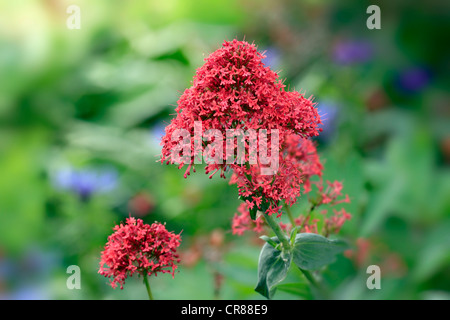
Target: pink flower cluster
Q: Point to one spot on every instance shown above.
(331, 193)
(235, 90)
(330, 196)
(335, 223)
(243, 222)
(298, 162)
(138, 247)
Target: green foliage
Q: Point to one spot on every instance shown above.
(313, 251)
(273, 267)
(308, 252)
(100, 96)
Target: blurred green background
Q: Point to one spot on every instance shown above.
(82, 111)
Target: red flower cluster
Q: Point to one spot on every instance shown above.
(243, 221)
(138, 247)
(334, 224)
(298, 162)
(331, 193)
(330, 196)
(303, 154)
(235, 90)
(306, 223)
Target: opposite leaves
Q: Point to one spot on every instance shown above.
(308, 251)
(272, 268)
(312, 251)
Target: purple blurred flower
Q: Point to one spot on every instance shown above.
(329, 112)
(352, 52)
(413, 79)
(7, 268)
(85, 182)
(273, 57)
(156, 134)
(25, 276)
(39, 263)
(27, 292)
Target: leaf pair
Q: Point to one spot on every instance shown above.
(309, 251)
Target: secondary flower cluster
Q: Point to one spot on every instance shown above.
(308, 222)
(243, 222)
(235, 90)
(138, 247)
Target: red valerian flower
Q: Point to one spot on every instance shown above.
(331, 197)
(235, 90)
(243, 222)
(298, 161)
(331, 193)
(334, 224)
(140, 248)
(310, 221)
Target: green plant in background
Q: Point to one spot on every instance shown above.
(82, 112)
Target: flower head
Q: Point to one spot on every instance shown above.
(138, 247)
(235, 90)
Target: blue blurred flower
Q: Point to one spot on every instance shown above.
(329, 112)
(31, 292)
(7, 268)
(413, 79)
(352, 52)
(38, 263)
(273, 57)
(26, 276)
(156, 133)
(85, 182)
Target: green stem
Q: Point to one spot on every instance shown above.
(322, 291)
(147, 285)
(311, 209)
(278, 232)
(289, 213)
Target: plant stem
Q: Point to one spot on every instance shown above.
(147, 285)
(289, 213)
(278, 232)
(311, 209)
(322, 291)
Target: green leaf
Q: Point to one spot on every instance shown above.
(293, 235)
(299, 289)
(269, 241)
(272, 269)
(312, 251)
